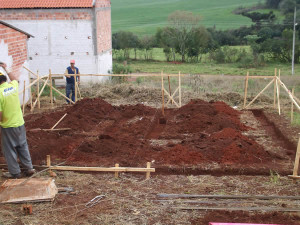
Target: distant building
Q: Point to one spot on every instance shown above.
(13, 52)
(64, 30)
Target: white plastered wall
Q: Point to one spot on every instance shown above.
(4, 57)
(56, 42)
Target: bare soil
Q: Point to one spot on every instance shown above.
(206, 147)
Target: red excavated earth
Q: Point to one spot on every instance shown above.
(101, 135)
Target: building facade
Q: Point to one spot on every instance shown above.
(64, 30)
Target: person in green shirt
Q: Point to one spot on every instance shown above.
(13, 133)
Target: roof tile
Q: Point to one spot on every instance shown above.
(17, 4)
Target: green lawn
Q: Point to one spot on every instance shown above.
(209, 68)
(145, 16)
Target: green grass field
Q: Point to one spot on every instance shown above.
(145, 16)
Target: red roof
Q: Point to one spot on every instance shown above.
(17, 4)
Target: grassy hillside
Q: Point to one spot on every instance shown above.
(144, 16)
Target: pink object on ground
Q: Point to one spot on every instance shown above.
(72, 61)
(212, 223)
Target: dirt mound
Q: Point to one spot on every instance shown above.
(102, 135)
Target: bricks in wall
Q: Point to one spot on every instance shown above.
(103, 17)
(28, 15)
(17, 47)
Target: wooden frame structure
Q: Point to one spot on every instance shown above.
(51, 76)
(115, 169)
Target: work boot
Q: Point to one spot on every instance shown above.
(29, 173)
(11, 176)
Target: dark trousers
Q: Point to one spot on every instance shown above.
(70, 88)
(14, 145)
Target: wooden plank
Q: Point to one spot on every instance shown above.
(102, 169)
(268, 197)
(122, 75)
(163, 94)
(27, 190)
(75, 80)
(179, 85)
(278, 100)
(275, 75)
(269, 209)
(170, 97)
(39, 94)
(170, 86)
(24, 97)
(296, 165)
(260, 93)
(246, 89)
(264, 77)
(117, 173)
(59, 121)
(148, 173)
(38, 91)
(292, 106)
(51, 90)
(58, 129)
(289, 93)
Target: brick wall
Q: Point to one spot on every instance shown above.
(17, 46)
(103, 17)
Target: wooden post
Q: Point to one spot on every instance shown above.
(29, 92)
(179, 78)
(48, 161)
(246, 89)
(38, 90)
(292, 107)
(296, 165)
(260, 93)
(162, 93)
(278, 100)
(75, 85)
(59, 121)
(24, 97)
(51, 90)
(279, 79)
(39, 94)
(117, 173)
(170, 87)
(148, 173)
(275, 75)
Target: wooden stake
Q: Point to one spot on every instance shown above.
(75, 85)
(24, 97)
(148, 173)
(179, 80)
(260, 93)
(59, 121)
(39, 94)
(279, 79)
(289, 93)
(292, 106)
(278, 100)
(117, 173)
(29, 92)
(48, 161)
(296, 165)
(170, 88)
(38, 90)
(163, 94)
(246, 89)
(51, 90)
(275, 75)
(78, 91)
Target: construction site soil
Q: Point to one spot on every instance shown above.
(199, 138)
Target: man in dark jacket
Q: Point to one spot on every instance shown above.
(70, 81)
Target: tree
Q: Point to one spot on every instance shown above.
(125, 41)
(146, 44)
(273, 4)
(182, 25)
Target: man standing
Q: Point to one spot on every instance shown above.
(13, 132)
(70, 81)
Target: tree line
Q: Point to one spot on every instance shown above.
(268, 38)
